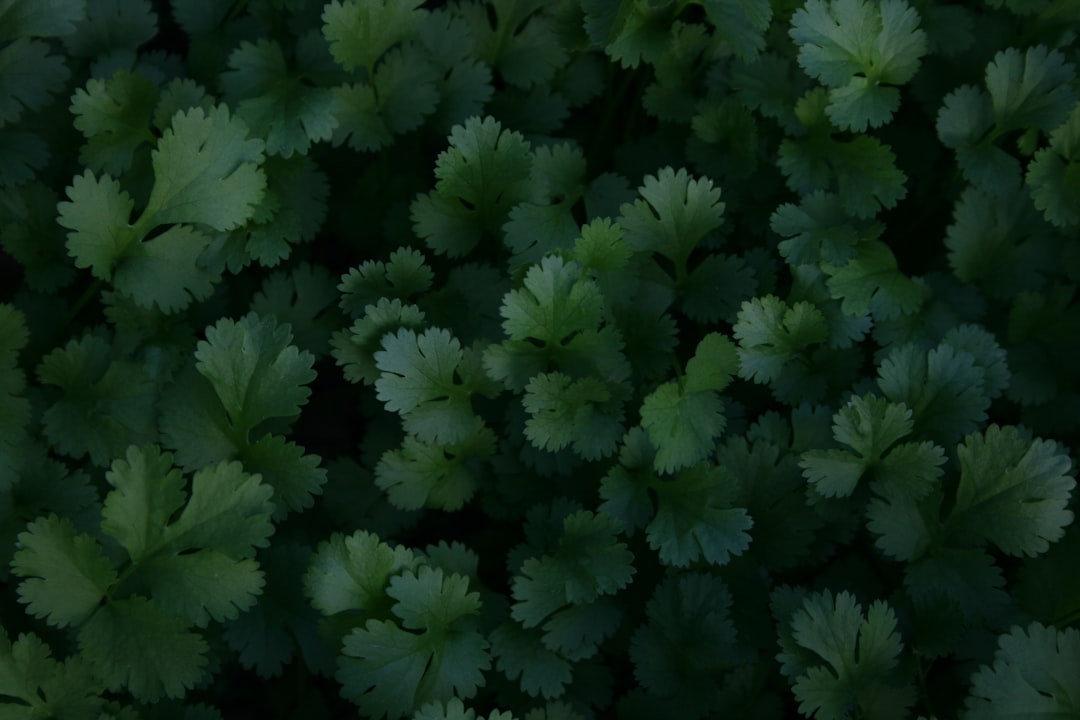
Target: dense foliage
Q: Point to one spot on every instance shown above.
(539, 360)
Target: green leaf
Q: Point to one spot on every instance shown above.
(98, 216)
(354, 349)
(1053, 175)
(517, 40)
(45, 686)
(419, 382)
(1031, 675)
(66, 573)
(112, 25)
(563, 411)
(997, 242)
(389, 671)
(349, 573)
(740, 23)
(586, 564)
(1014, 492)
(1032, 89)
(206, 171)
(520, 654)
(455, 710)
(556, 319)
(479, 178)
(859, 49)
(165, 271)
(39, 18)
(772, 334)
(361, 31)
(29, 77)
(131, 644)
(147, 491)
(676, 214)
(404, 275)
(420, 474)
(944, 388)
(688, 638)
(255, 372)
(106, 404)
(856, 658)
(681, 424)
(295, 477)
(871, 426)
(818, 229)
(114, 117)
(275, 102)
(694, 519)
(872, 282)
(189, 566)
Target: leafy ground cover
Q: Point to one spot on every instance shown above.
(515, 359)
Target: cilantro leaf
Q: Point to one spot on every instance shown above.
(694, 519)
(872, 282)
(389, 671)
(419, 382)
(98, 215)
(586, 564)
(421, 474)
(275, 101)
(44, 686)
(361, 31)
(29, 77)
(555, 320)
(683, 418)
(1031, 675)
(105, 405)
(405, 274)
(741, 23)
(818, 229)
(520, 654)
(401, 93)
(629, 31)
(479, 178)
(1014, 492)
(49, 18)
(676, 214)
(65, 573)
(770, 487)
(193, 569)
(688, 639)
(772, 334)
(114, 116)
(206, 171)
(518, 39)
(966, 580)
(862, 170)
(349, 573)
(1030, 90)
(454, 709)
(997, 242)
(254, 370)
(581, 412)
(855, 658)
(944, 388)
(871, 427)
(112, 25)
(354, 348)
(1054, 173)
(859, 49)
(131, 644)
